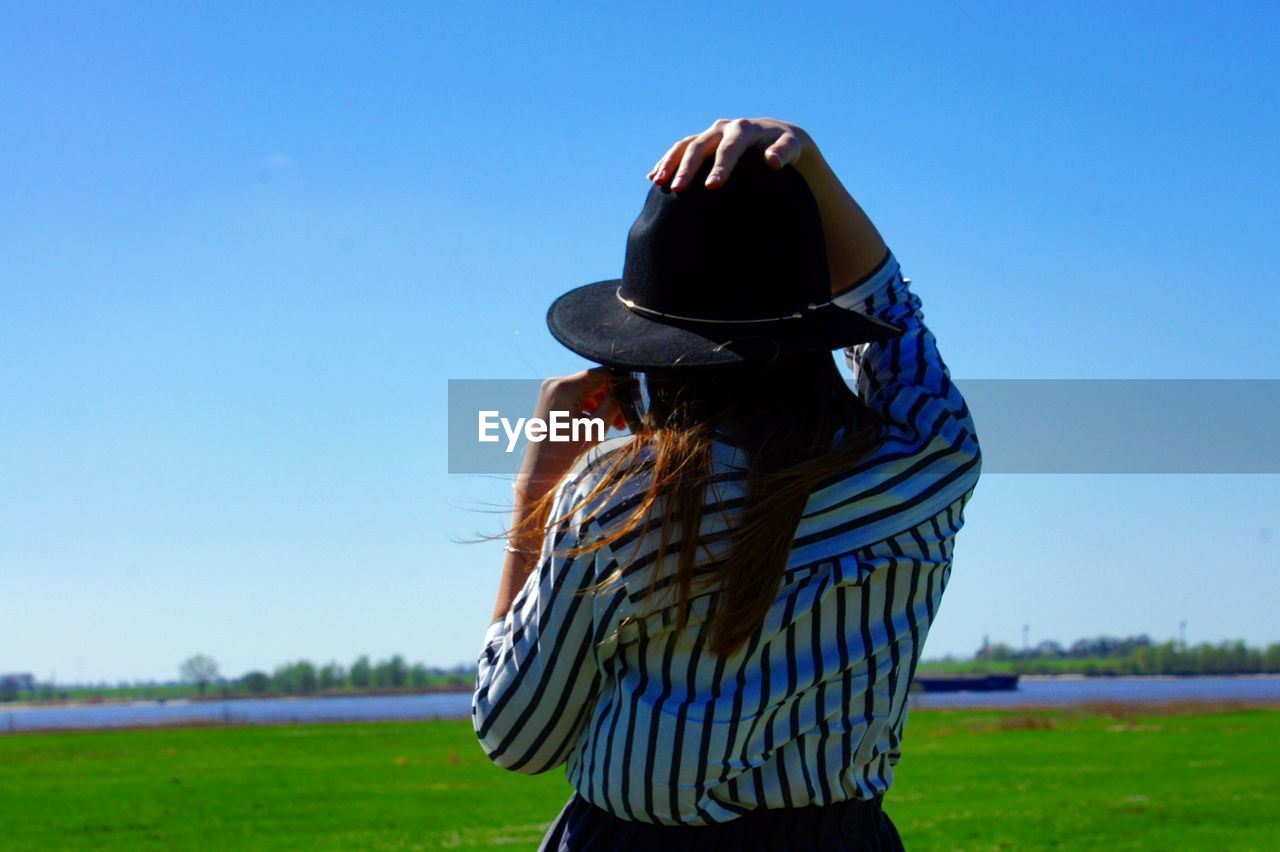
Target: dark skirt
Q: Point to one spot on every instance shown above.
(856, 825)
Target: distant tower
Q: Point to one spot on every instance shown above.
(1026, 646)
(1182, 635)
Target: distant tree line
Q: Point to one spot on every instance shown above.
(13, 685)
(1136, 655)
(304, 677)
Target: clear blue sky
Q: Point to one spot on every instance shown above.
(243, 248)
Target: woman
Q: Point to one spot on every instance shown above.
(715, 621)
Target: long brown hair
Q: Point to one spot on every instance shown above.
(784, 417)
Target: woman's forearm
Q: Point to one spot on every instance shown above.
(515, 571)
(523, 547)
(854, 246)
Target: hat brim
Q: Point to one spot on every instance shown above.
(592, 321)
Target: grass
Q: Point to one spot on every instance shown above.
(1112, 778)
(1047, 665)
(1116, 778)
(954, 667)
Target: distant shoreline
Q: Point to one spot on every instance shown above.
(109, 700)
(1113, 709)
(1112, 675)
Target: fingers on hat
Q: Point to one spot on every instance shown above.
(727, 155)
(782, 151)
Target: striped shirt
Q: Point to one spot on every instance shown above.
(811, 710)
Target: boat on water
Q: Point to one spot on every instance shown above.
(966, 683)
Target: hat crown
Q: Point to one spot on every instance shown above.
(750, 250)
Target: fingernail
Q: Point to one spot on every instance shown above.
(677, 182)
(714, 177)
(662, 173)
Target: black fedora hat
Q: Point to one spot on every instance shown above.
(716, 278)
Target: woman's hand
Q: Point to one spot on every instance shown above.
(583, 394)
(783, 144)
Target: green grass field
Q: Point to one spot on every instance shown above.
(968, 780)
(1094, 665)
(1064, 666)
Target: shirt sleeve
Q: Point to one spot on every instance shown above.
(538, 674)
(929, 456)
(891, 375)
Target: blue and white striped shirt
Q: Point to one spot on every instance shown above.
(811, 710)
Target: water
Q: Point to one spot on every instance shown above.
(457, 705)
(1059, 691)
(355, 708)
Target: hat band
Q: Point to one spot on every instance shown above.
(632, 306)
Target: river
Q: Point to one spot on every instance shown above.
(1031, 692)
